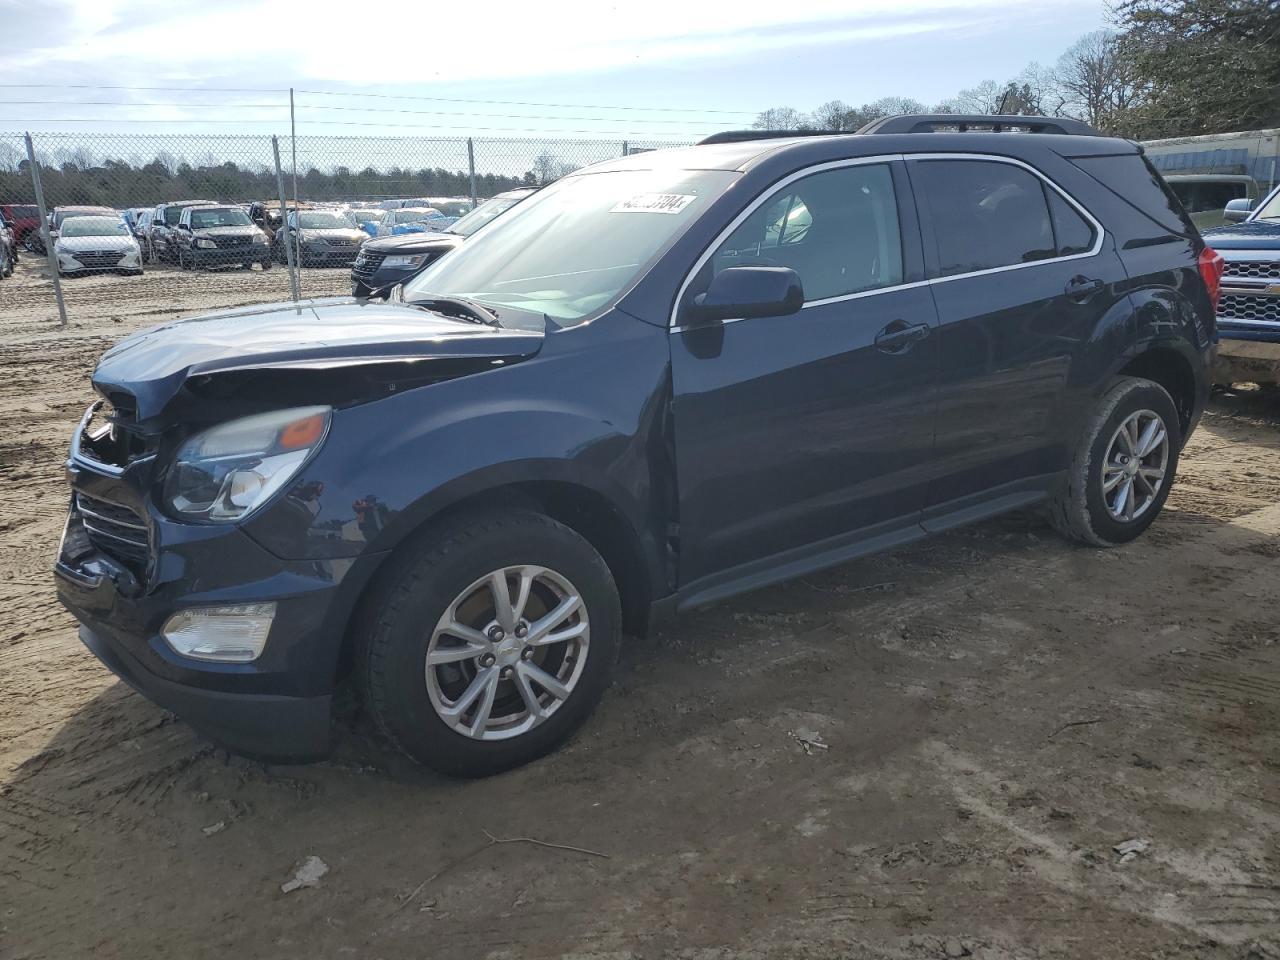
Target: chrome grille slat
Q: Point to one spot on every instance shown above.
(115, 529)
(1256, 269)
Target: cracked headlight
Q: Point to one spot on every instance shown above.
(228, 471)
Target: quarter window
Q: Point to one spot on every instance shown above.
(1072, 232)
(985, 214)
(837, 229)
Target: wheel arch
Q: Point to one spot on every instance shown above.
(586, 511)
(1168, 366)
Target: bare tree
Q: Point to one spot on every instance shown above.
(1096, 81)
(835, 115)
(985, 98)
(783, 118)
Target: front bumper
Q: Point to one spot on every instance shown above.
(1247, 355)
(225, 256)
(276, 706)
(257, 725)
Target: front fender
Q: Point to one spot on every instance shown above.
(587, 411)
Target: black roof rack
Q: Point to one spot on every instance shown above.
(742, 136)
(978, 123)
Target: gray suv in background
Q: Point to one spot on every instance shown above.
(219, 236)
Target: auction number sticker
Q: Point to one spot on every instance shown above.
(655, 203)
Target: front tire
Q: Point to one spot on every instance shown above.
(1122, 467)
(489, 642)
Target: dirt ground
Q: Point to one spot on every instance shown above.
(925, 754)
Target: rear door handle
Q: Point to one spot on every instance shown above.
(899, 335)
(1081, 289)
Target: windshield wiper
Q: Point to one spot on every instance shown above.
(460, 307)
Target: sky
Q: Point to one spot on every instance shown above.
(654, 69)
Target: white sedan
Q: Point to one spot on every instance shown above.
(97, 244)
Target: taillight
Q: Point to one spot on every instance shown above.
(1211, 265)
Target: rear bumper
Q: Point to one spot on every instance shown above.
(257, 725)
(1247, 355)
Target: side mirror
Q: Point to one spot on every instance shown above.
(1237, 210)
(741, 292)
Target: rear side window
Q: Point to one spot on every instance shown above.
(1132, 178)
(837, 229)
(985, 214)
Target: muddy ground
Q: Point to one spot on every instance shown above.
(926, 754)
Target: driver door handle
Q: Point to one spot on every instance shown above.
(898, 336)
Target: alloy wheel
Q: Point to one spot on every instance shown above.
(507, 652)
(1135, 465)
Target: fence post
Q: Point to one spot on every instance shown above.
(471, 166)
(626, 150)
(284, 220)
(44, 232)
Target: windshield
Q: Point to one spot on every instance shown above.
(223, 217)
(1270, 210)
(482, 214)
(94, 227)
(363, 216)
(570, 249)
(325, 220)
(63, 215)
(413, 216)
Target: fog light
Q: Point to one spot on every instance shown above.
(230, 634)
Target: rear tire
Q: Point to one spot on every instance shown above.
(445, 577)
(1111, 457)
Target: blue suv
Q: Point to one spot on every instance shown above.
(660, 382)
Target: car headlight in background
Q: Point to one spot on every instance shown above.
(259, 239)
(415, 260)
(203, 244)
(228, 471)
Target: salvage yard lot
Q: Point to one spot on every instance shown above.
(926, 754)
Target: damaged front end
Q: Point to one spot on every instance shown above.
(202, 423)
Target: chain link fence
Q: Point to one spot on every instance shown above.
(169, 260)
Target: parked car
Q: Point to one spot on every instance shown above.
(408, 220)
(24, 220)
(623, 403)
(322, 237)
(164, 219)
(385, 262)
(8, 248)
(219, 236)
(60, 215)
(141, 230)
(404, 202)
(366, 218)
(97, 244)
(1249, 311)
(1204, 195)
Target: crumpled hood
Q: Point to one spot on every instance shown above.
(1254, 235)
(152, 366)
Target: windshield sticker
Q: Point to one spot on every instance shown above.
(655, 203)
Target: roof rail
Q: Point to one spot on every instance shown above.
(742, 136)
(980, 123)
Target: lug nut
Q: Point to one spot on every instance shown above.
(526, 653)
(506, 673)
(496, 634)
(522, 630)
(487, 660)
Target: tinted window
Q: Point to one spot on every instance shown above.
(1131, 178)
(1072, 232)
(985, 214)
(837, 229)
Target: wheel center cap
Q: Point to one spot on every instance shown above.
(1131, 468)
(508, 652)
